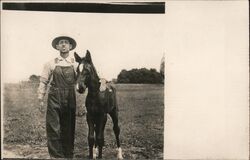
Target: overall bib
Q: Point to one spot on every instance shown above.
(60, 117)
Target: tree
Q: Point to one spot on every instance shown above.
(142, 75)
(123, 77)
(34, 78)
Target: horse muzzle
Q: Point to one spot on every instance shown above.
(80, 88)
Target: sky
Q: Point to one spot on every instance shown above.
(115, 41)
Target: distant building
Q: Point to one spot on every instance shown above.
(162, 66)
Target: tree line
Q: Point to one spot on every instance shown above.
(142, 75)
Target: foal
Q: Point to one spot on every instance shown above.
(99, 101)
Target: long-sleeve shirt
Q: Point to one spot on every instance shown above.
(46, 75)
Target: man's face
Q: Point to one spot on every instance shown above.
(64, 46)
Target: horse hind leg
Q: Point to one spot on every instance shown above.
(114, 116)
(116, 129)
(119, 153)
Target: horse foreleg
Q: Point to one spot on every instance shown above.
(100, 136)
(91, 138)
(95, 150)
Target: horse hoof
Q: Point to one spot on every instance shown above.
(119, 154)
(95, 150)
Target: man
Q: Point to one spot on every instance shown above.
(60, 73)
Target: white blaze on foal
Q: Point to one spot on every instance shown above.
(77, 86)
(80, 67)
(80, 70)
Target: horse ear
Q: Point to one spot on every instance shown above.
(77, 58)
(88, 57)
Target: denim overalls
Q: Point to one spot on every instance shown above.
(60, 117)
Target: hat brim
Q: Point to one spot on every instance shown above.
(57, 39)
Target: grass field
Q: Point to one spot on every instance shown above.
(141, 118)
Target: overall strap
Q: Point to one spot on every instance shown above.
(56, 61)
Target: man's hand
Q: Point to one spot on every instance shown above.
(41, 105)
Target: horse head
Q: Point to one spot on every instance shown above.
(86, 73)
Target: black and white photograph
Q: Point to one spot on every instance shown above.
(125, 79)
(83, 80)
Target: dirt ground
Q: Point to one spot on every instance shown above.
(141, 116)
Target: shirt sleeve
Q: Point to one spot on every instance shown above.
(44, 80)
